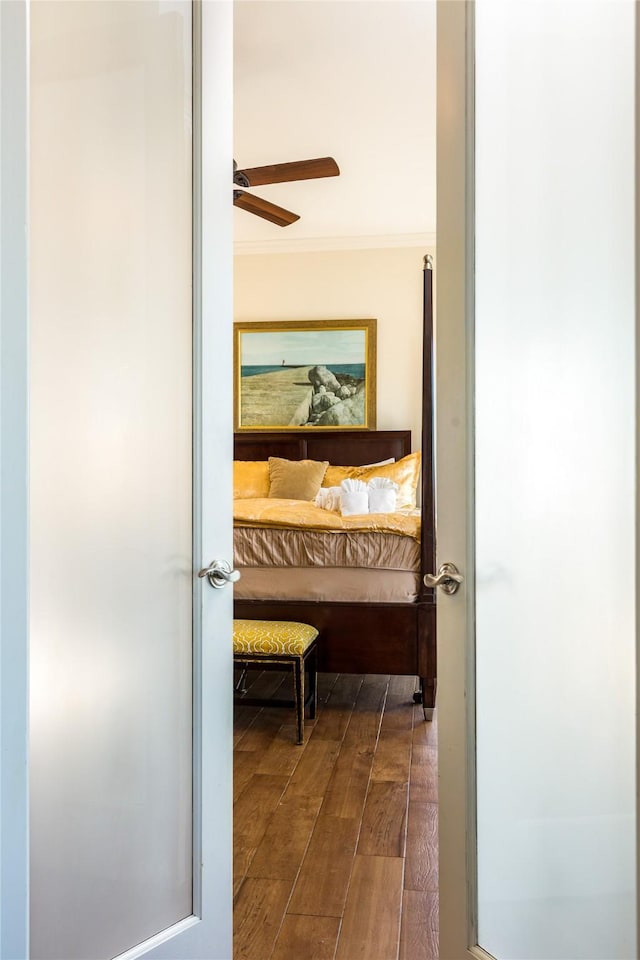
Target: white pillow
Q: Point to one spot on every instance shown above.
(328, 498)
(380, 463)
(383, 495)
(354, 498)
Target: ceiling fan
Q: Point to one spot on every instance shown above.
(277, 173)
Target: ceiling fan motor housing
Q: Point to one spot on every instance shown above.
(239, 178)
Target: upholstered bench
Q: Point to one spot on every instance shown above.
(283, 642)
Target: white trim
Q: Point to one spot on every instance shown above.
(159, 939)
(470, 561)
(14, 481)
(478, 953)
(637, 475)
(216, 456)
(196, 266)
(318, 244)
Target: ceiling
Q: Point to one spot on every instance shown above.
(351, 79)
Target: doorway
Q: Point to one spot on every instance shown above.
(357, 251)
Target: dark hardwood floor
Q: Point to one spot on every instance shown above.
(335, 841)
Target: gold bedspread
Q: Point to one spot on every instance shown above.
(295, 514)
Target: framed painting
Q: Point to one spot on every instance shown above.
(303, 375)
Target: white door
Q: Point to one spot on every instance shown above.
(536, 486)
(116, 807)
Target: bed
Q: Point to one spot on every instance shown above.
(369, 633)
(371, 620)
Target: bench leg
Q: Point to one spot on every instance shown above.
(241, 686)
(298, 683)
(313, 681)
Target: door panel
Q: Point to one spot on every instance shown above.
(130, 656)
(111, 476)
(536, 479)
(555, 510)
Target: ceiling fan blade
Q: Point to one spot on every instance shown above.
(286, 172)
(262, 208)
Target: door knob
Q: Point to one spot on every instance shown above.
(219, 573)
(448, 577)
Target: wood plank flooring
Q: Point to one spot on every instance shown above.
(335, 841)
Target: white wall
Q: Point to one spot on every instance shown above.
(350, 284)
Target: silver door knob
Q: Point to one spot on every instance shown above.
(448, 577)
(219, 573)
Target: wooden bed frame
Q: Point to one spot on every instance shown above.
(393, 638)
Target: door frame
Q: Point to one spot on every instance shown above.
(14, 451)
(455, 530)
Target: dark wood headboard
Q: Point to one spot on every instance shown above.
(342, 448)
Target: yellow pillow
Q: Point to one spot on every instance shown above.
(295, 479)
(405, 473)
(250, 479)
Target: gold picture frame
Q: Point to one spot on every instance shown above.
(305, 375)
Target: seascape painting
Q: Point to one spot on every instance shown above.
(312, 374)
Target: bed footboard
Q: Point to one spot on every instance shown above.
(394, 638)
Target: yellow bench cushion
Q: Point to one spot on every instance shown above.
(272, 637)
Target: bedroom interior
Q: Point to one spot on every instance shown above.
(343, 852)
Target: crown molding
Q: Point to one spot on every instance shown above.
(319, 244)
